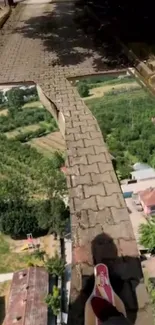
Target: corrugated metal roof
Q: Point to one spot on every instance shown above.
(26, 304)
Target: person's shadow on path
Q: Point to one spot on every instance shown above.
(125, 275)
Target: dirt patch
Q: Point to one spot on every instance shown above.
(49, 143)
(100, 91)
(51, 246)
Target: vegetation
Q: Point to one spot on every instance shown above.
(83, 89)
(147, 234)
(126, 118)
(55, 265)
(54, 301)
(11, 261)
(32, 186)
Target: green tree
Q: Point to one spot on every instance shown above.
(147, 234)
(55, 265)
(15, 97)
(54, 301)
(83, 89)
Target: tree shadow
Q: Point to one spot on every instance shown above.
(62, 32)
(130, 21)
(125, 274)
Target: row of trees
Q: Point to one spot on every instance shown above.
(126, 120)
(16, 97)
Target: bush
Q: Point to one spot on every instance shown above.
(55, 265)
(147, 234)
(54, 301)
(83, 89)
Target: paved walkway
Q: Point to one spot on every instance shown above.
(41, 43)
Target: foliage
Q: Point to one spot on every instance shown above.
(125, 119)
(53, 215)
(54, 301)
(2, 98)
(147, 234)
(39, 254)
(83, 89)
(55, 265)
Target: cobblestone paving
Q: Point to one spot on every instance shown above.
(41, 43)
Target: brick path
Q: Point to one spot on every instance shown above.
(41, 43)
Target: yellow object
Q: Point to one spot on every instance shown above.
(24, 247)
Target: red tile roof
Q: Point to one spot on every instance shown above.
(26, 305)
(148, 196)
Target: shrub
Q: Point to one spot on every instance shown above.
(54, 301)
(55, 265)
(83, 89)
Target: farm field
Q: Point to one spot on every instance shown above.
(49, 143)
(125, 112)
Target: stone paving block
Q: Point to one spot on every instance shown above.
(96, 158)
(97, 189)
(89, 203)
(85, 179)
(89, 169)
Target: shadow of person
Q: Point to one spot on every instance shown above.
(125, 275)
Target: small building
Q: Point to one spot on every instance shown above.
(144, 174)
(147, 200)
(26, 304)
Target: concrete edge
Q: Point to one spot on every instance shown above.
(4, 15)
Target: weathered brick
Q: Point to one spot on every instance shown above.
(89, 128)
(93, 142)
(82, 136)
(86, 117)
(96, 178)
(101, 217)
(85, 151)
(100, 149)
(96, 134)
(73, 170)
(122, 230)
(105, 167)
(74, 130)
(82, 255)
(96, 158)
(128, 247)
(70, 137)
(77, 160)
(119, 214)
(79, 123)
(85, 204)
(97, 189)
(76, 192)
(85, 179)
(72, 152)
(86, 235)
(108, 201)
(68, 180)
(76, 144)
(88, 169)
(112, 188)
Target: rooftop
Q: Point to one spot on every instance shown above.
(143, 174)
(148, 196)
(26, 304)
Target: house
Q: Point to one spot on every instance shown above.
(26, 303)
(147, 200)
(140, 175)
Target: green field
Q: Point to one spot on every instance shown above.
(125, 117)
